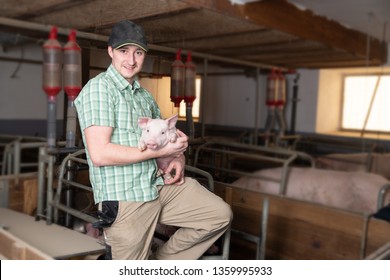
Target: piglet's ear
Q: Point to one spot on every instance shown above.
(172, 121)
(143, 121)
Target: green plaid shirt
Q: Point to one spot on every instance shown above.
(109, 100)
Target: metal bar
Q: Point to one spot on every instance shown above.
(204, 83)
(257, 106)
(245, 155)
(5, 160)
(62, 168)
(274, 150)
(260, 240)
(12, 137)
(41, 181)
(250, 149)
(381, 195)
(27, 145)
(383, 253)
(276, 155)
(17, 157)
(75, 184)
(203, 173)
(49, 190)
(264, 226)
(285, 170)
(4, 193)
(363, 241)
(12, 154)
(241, 173)
(294, 103)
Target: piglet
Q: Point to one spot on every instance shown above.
(156, 133)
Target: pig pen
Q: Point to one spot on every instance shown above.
(377, 163)
(356, 191)
(286, 226)
(301, 230)
(319, 145)
(228, 160)
(346, 154)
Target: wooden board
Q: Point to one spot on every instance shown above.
(23, 195)
(56, 241)
(30, 196)
(303, 230)
(13, 248)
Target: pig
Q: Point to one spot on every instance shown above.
(156, 133)
(356, 191)
(378, 163)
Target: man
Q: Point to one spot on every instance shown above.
(131, 196)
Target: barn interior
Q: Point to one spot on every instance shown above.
(268, 114)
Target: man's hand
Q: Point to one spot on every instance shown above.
(178, 165)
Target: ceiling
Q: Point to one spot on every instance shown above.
(262, 34)
(368, 16)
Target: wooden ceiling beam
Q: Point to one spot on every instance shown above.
(50, 8)
(331, 64)
(286, 17)
(280, 46)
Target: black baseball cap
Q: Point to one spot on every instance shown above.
(127, 32)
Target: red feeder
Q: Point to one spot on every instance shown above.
(72, 66)
(52, 65)
(272, 88)
(177, 80)
(281, 94)
(190, 78)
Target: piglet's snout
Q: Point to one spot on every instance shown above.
(151, 145)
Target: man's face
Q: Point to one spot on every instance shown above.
(127, 60)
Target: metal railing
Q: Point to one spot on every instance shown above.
(383, 253)
(217, 157)
(12, 147)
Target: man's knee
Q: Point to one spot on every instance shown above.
(224, 214)
(227, 214)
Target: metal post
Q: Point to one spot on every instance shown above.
(257, 98)
(49, 191)
(204, 82)
(17, 156)
(51, 122)
(294, 105)
(41, 181)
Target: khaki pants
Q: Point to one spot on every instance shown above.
(202, 217)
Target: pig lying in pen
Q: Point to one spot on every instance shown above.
(356, 191)
(374, 162)
(156, 133)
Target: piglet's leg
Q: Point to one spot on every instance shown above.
(141, 146)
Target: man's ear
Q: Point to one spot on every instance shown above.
(110, 51)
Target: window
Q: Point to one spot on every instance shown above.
(195, 105)
(366, 103)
